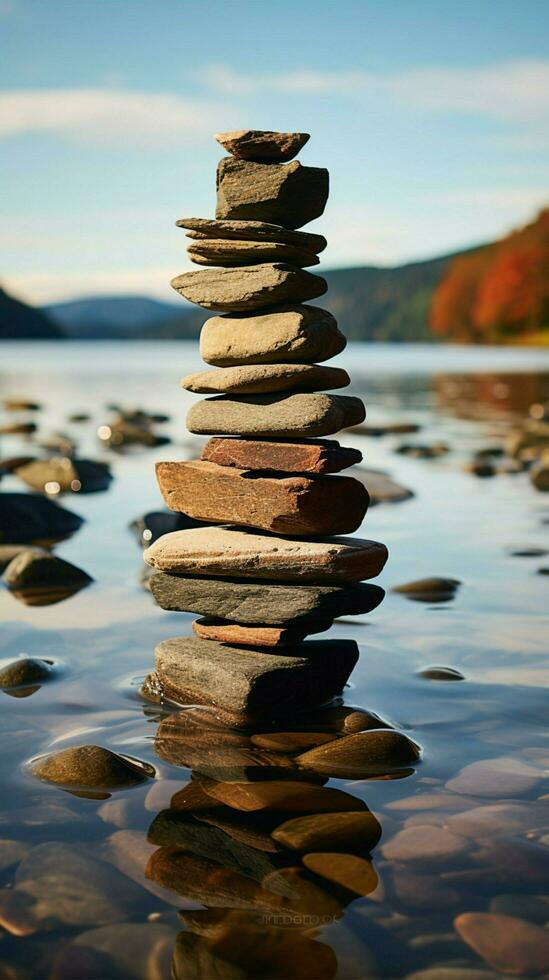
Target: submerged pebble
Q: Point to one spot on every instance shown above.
(362, 754)
(89, 767)
(25, 671)
(499, 777)
(433, 589)
(506, 943)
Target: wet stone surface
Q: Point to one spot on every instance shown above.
(169, 875)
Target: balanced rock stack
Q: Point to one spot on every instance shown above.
(269, 568)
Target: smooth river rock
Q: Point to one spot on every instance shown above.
(290, 196)
(42, 578)
(291, 416)
(354, 873)
(249, 287)
(245, 685)
(293, 334)
(263, 603)
(225, 552)
(291, 796)
(262, 146)
(500, 777)
(508, 944)
(284, 504)
(89, 767)
(362, 754)
(251, 231)
(426, 845)
(330, 832)
(229, 252)
(253, 379)
(281, 456)
(25, 671)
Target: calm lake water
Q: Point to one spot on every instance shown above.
(494, 631)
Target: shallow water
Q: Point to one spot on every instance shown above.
(102, 642)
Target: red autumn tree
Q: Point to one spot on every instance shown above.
(499, 292)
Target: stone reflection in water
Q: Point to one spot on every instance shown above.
(274, 854)
(479, 396)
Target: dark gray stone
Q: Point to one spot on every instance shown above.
(243, 686)
(272, 603)
(29, 517)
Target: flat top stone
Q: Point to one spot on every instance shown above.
(288, 333)
(201, 228)
(282, 456)
(223, 551)
(263, 146)
(279, 415)
(258, 378)
(249, 287)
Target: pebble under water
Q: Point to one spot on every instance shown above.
(127, 883)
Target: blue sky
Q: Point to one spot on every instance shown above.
(432, 117)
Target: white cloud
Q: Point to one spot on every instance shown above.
(512, 90)
(107, 116)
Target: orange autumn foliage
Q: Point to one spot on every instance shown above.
(499, 292)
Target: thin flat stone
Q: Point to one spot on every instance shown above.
(256, 379)
(251, 231)
(315, 457)
(249, 287)
(229, 252)
(259, 603)
(263, 146)
(362, 754)
(506, 943)
(290, 416)
(225, 552)
(290, 196)
(253, 829)
(294, 334)
(329, 832)
(292, 797)
(283, 504)
(244, 685)
(354, 873)
(253, 636)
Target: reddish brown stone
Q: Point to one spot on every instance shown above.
(316, 456)
(254, 636)
(285, 505)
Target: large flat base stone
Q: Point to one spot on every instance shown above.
(245, 686)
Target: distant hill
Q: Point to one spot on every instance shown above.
(21, 322)
(370, 303)
(123, 317)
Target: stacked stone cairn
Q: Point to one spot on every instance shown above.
(268, 567)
